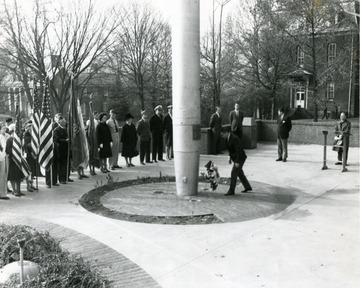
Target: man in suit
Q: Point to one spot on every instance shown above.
(115, 136)
(54, 169)
(215, 125)
(342, 130)
(61, 138)
(238, 157)
(236, 118)
(283, 129)
(143, 130)
(157, 133)
(168, 132)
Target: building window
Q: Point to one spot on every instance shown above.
(300, 56)
(330, 91)
(331, 53)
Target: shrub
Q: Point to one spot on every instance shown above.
(58, 268)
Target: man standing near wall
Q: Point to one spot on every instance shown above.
(216, 125)
(342, 129)
(283, 129)
(236, 118)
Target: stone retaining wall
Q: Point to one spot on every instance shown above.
(303, 132)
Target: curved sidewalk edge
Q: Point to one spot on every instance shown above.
(120, 271)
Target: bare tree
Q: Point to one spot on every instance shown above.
(139, 36)
(212, 52)
(262, 60)
(67, 42)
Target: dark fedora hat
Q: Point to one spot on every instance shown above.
(128, 116)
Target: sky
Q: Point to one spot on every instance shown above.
(164, 7)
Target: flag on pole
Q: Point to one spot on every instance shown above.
(17, 156)
(79, 146)
(94, 157)
(35, 132)
(46, 134)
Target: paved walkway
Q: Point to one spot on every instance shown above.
(313, 242)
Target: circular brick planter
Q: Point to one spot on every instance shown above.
(153, 200)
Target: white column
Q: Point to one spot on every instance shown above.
(186, 94)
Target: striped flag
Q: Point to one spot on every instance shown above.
(79, 145)
(35, 132)
(46, 134)
(17, 156)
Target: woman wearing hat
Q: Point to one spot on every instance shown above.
(129, 140)
(104, 142)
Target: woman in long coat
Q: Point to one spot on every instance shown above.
(15, 175)
(129, 140)
(104, 142)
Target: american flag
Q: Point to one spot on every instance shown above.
(17, 156)
(35, 132)
(46, 134)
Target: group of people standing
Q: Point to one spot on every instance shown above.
(9, 171)
(109, 136)
(150, 132)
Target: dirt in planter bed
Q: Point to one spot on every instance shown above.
(92, 202)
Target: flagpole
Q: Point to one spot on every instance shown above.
(53, 148)
(36, 121)
(70, 124)
(36, 172)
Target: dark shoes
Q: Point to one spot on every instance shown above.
(279, 159)
(142, 163)
(118, 167)
(149, 162)
(62, 182)
(284, 160)
(155, 161)
(4, 198)
(338, 163)
(70, 180)
(112, 168)
(246, 190)
(229, 193)
(56, 184)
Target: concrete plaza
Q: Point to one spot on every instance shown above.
(312, 242)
